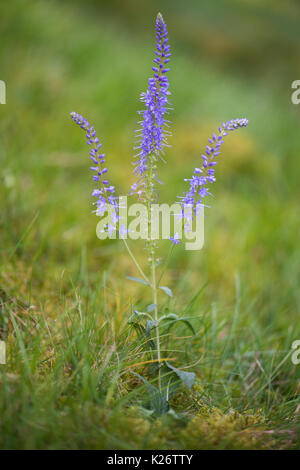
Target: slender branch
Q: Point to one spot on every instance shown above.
(136, 263)
(165, 265)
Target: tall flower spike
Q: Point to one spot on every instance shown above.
(152, 135)
(105, 192)
(193, 198)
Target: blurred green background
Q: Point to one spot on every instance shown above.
(230, 58)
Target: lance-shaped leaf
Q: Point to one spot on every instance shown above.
(138, 279)
(139, 314)
(151, 307)
(141, 331)
(158, 402)
(149, 325)
(173, 318)
(167, 290)
(188, 378)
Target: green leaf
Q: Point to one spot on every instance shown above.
(138, 279)
(175, 318)
(151, 307)
(158, 402)
(170, 316)
(188, 324)
(139, 314)
(149, 325)
(188, 378)
(167, 290)
(139, 328)
(142, 334)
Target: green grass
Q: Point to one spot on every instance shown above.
(64, 297)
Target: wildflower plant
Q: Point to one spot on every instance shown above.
(151, 142)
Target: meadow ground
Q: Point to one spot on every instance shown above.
(64, 297)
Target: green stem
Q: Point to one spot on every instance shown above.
(136, 263)
(150, 195)
(154, 293)
(165, 265)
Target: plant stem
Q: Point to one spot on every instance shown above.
(165, 265)
(150, 197)
(154, 293)
(136, 263)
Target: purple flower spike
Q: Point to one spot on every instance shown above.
(201, 176)
(104, 195)
(152, 135)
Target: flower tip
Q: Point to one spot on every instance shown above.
(159, 17)
(74, 115)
